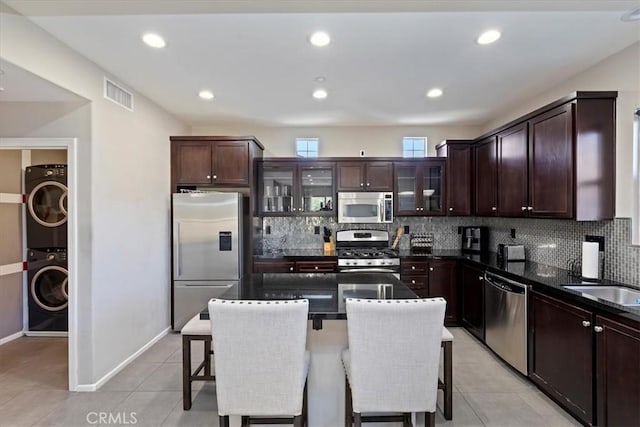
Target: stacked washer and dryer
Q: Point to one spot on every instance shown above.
(46, 224)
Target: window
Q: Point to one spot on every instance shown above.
(307, 147)
(414, 146)
(636, 178)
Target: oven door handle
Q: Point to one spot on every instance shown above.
(368, 270)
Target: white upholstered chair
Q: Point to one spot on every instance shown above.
(260, 359)
(393, 358)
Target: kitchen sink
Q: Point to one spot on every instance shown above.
(616, 294)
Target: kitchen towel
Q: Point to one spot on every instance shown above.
(590, 260)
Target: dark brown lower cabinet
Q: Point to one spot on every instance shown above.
(433, 278)
(316, 266)
(443, 283)
(472, 287)
(617, 372)
(273, 266)
(561, 362)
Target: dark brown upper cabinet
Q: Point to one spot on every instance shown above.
(459, 174)
(365, 175)
(555, 162)
(513, 181)
(419, 188)
(486, 175)
(292, 187)
(213, 160)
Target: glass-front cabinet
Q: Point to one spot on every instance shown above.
(297, 188)
(419, 187)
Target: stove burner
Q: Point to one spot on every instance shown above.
(366, 253)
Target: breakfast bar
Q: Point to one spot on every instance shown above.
(327, 331)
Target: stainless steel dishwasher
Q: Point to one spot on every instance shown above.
(506, 319)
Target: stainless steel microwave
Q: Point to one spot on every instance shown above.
(365, 207)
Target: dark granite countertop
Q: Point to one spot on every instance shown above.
(325, 292)
(294, 253)
(539, 276)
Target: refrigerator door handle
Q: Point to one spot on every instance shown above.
(176, 250)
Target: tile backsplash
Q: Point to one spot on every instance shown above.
(551, 242)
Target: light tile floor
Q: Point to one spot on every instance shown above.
(33, 390)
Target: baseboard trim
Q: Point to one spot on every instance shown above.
(102, 381)
(11, 337)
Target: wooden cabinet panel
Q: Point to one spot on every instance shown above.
(513, 181)
(442, 283)
(365, 176)
(419, 284)
(413, 267)
(419, 188)
(379, 176)
(618, 373)
(192, 162)
(561, 362)
(485, 169)
(316, 266)
(472, 286)
(459, 178)
(231, 163)
(551, 163)
(351, 176)
(273, 266)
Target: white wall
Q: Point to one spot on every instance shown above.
(619, 72)
(123, 193)
(342, 141)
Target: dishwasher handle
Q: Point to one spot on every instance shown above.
(505, 284)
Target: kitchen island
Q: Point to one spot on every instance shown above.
(327, 328)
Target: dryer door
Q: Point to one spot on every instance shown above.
(49, 288)
(47, 204)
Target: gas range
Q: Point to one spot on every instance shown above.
(365, 251)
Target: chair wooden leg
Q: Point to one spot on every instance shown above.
(448, 380)
(207, 357)
(430, 419)
(186, 372)
(406, 419)
(357, 419)
(348, 408)
(305, 408)
(224, 420)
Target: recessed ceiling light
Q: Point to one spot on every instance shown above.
(154, 40)
(434, 93)
(206, 94)
(319, 39)
(488, 37)
(320, 94)
(632, 15)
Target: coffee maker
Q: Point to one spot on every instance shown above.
(474, 239)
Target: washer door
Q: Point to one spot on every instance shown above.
(47, 204)
(49, 288)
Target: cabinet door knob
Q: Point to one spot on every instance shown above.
(493, 208)
(430, 268)
(290, 268)
(293, 209)
(450, 209)
(480, 278)
(413, 282)
(586, 323)
(368, 184)
(215, 176)
(524, 208)
(208, 176)
(598, 329)
(362, 184)
(530, 208)
(413, 267)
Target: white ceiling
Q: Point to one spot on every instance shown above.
(377, 68)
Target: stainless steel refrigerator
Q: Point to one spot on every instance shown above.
(208, 250)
